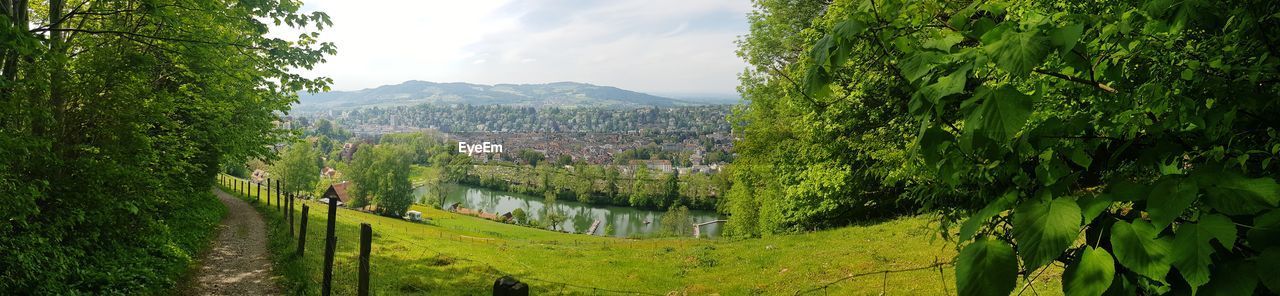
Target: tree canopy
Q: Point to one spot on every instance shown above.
(1115, 137)
(118, 114)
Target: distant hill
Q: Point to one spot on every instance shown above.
(558, 94)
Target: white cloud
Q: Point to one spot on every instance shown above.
(647, 45)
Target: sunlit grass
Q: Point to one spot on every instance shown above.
(462, 255)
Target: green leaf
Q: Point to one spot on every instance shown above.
(971, 225)
(822, 51)
(1091, 207)
(1170, 196)
(1135, 246)
(1233, 278)
(1234, 194)
(1191, 248)
(1065, 37)
(1044, 228)
(986, 267)
(1221, 228)
(1091, 274)
(1003, 113)
(932, 143)
(849, 29)
(946, 85)
(1269, 277)
(919, 64)
(1266, 229)
(1081, 157)
(1016, 52)
(944, 42)
(817, 82)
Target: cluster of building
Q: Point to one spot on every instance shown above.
(602, 148)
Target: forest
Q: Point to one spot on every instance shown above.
(117, 117)
(1130, 142)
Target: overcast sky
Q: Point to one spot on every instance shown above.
(656, 46)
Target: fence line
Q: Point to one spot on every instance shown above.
(885, 273)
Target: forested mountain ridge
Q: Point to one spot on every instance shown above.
(557, 94)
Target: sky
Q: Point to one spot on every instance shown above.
(655, 46)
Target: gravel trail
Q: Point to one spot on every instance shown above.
(238, 263)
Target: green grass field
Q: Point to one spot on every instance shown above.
(462, 255)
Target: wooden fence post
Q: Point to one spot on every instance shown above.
(302, 231)
(331, 242)
(289, 214)
(259, 189)
(366, 238)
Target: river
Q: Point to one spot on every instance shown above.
(626, 221)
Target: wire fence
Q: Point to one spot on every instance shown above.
(346, 266)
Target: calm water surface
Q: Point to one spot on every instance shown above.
(625, 220)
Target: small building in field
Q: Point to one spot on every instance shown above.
(338, 191)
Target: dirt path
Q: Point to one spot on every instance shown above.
(238, 263)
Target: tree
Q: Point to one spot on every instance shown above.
(1125, 140)
(451, 168)
(640, 188)
(611, 185)
(394, 192)
(119, 115)
(380, 174)
(363, 176)
(298, 167)
(519, 216)
(552, 216)
(676, 222)
(671, 190)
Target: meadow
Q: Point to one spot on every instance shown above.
(454, 254)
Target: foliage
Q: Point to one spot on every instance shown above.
(118, 116)
(552, 215)
(381, 176)
(1084, 131)
(802, 163)
(601, 184)
(298, 167)
(676, 222)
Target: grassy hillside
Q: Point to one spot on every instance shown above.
(457, 255)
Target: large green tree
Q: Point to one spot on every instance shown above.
(381, 177)
(118, 115)
(1127, 140)
(805, 163)
(298, 167)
